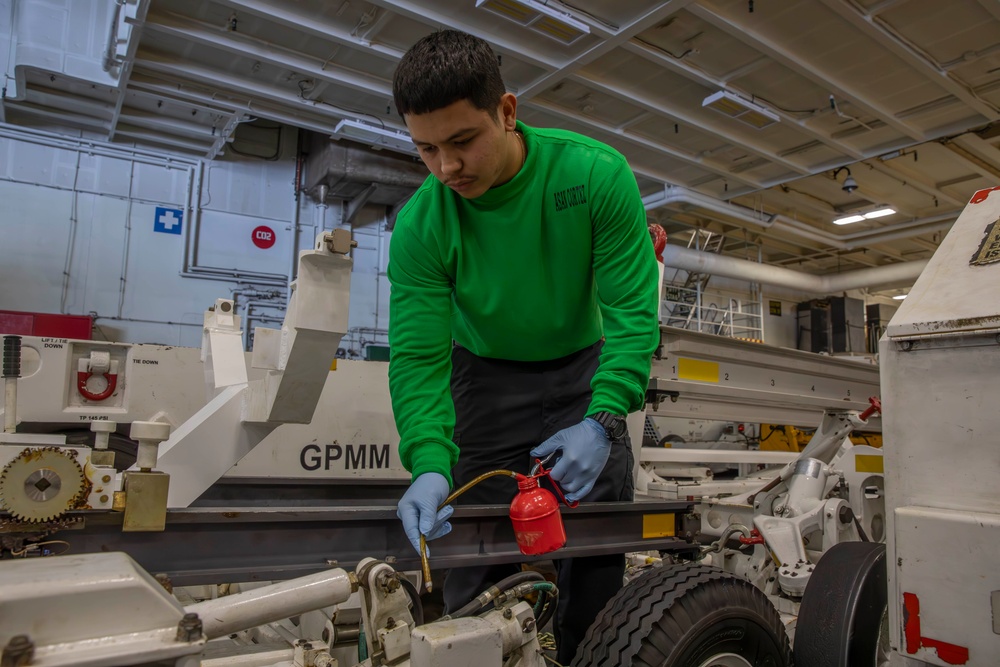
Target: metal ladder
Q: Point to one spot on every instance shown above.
(694, 284)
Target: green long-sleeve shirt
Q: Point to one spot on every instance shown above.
(534, 269)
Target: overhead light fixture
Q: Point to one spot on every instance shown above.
(375, 136)
(878, 213)
(850, 185)
(736, 107)
(539, 17)
(899, 297)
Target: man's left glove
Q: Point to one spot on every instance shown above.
(585, 448)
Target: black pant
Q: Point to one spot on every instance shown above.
(503, 409)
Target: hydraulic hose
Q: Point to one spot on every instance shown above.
(494, 592)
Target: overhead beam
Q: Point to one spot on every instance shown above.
(643, 142)
(644, 22)
(433, 18)
(869, 24)
(674, 114)
(260, 50)
(309, 23)
(797, 63)
(704, 78)
(913, 180)
(141, 11)
(195, 77)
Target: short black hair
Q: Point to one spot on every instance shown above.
(443, 68)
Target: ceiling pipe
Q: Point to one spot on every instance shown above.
(673, 194)
(686, 259)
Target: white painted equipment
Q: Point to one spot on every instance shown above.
(103, 610)
(940, 364)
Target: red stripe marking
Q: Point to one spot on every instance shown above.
(981, 196)
(953, 655)
(950, 653)
(911, 622)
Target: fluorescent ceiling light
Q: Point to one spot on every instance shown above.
(899, 297)
(539, 17)
(736, 107)
(849, 219)
(879, 213)
(375, 136)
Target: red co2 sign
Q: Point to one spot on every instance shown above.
(263, 237)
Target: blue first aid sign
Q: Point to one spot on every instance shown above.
(168, 220)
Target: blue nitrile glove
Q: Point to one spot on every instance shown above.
(585, 448)
(418, 509)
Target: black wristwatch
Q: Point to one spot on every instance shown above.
(614, 425)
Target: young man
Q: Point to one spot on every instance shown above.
(523, 314)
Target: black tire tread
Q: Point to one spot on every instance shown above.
(637, 614)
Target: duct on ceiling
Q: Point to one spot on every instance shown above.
(880, 276)
(695, 261)
(349, 171)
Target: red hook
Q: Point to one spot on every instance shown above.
(755, 538)
(81, 386)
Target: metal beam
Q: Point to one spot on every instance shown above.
(182, 28)
(253, 90)
(704, 78)
(152, 121)
(141, 10)
(311, 24)
(881, 32)
(230, 544)
(185, 92)
(134, 89)
(919, 183)
(674, 114)
(433, 18)
(796, 63)
(647, 20)
(644, 142)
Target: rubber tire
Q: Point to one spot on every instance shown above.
(125, 448)
(842, 607)
(680, 616)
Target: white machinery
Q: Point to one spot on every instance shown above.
(808, 557)
(103, 610)
(940, 603)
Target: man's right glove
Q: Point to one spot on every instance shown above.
(418, 509)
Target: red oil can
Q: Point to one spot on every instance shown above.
(538, 525)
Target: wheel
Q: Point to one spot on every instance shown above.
(686, 616)
(843, 619)
(125, 448)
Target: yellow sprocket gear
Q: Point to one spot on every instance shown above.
(41, 484)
